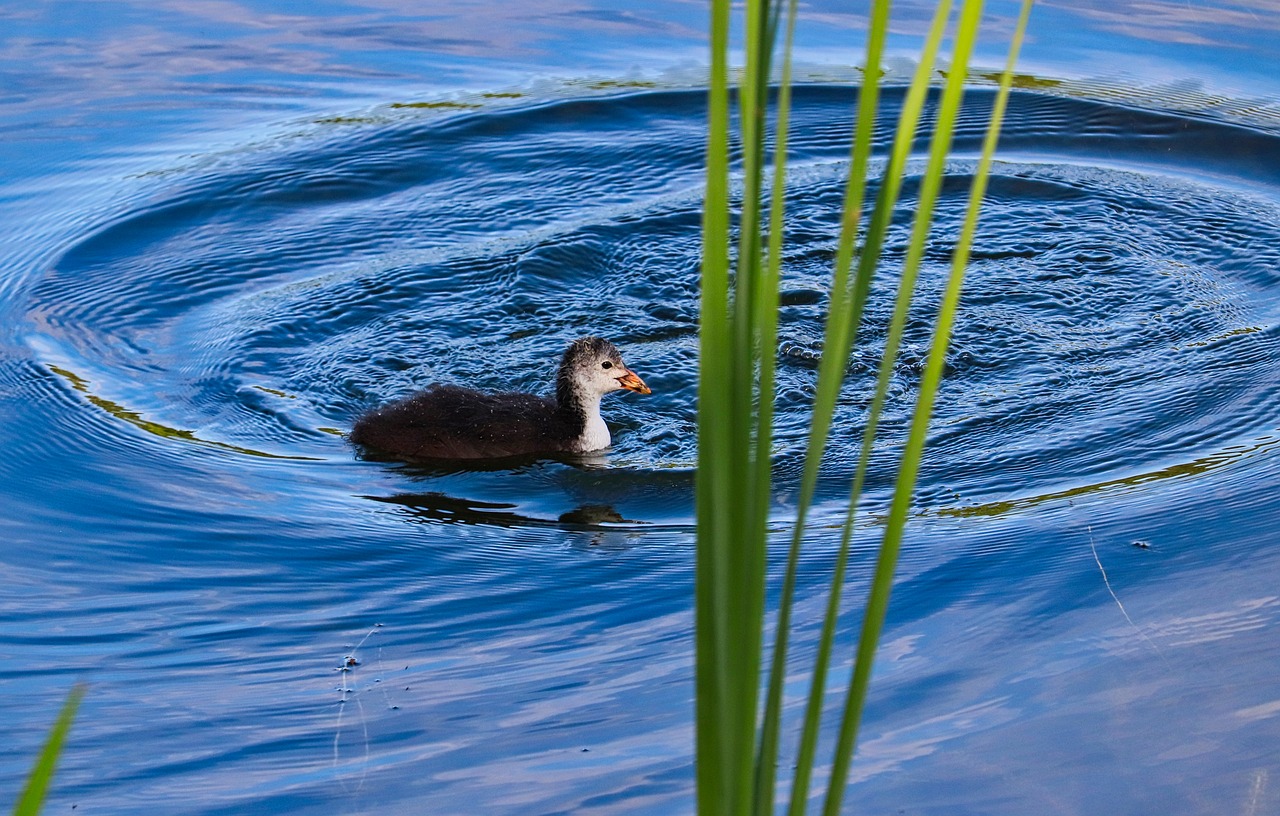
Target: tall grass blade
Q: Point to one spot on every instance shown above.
(41, 775)
(842, 317)
(714, 714)
(767, 752)
(842, 339)
(739, 306)
(737, 368)
(877, 603)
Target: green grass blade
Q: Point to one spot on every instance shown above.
(767, 320)
(930, 185)
(848, 301)
(877, 603)
(926, 202)
(41, 775)
(839, 319)
(766, 283)
(843, 313)
(739, 312)
(737, 367)
(840, 336)
(713, 490)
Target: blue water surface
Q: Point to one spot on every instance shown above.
(226, 229)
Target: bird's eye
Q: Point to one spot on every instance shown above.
(606, 364)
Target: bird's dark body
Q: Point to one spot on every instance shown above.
(449, 422)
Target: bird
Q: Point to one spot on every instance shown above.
(449, 422)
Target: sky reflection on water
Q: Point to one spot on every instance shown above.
(56, 56)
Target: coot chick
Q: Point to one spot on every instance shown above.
(449, 422)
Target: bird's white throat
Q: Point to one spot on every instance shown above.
(595, 434)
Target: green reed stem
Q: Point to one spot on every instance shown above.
(878, 599)
(715, 713)
(767, 751)
(739, 330)
(843, 317)
(33, 793)
(737, 367)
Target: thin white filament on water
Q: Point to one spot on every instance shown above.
(1256, 791)
(349, 662)
(1093, 548)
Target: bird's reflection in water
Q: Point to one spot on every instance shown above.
(427, 468)
(580, 493)
(590, 515)
(439, 508)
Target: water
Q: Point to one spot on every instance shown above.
(231, 241)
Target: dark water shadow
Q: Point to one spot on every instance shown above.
(564, 491)
(427, 467)
(441, 508)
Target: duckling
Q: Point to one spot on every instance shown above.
(451, 422)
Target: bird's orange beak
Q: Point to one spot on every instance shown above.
(631, 382)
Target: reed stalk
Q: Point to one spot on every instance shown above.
(37, 785)
(736, 761)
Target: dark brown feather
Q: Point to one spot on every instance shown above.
(449, 422)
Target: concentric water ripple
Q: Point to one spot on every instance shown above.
(1119, 321)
